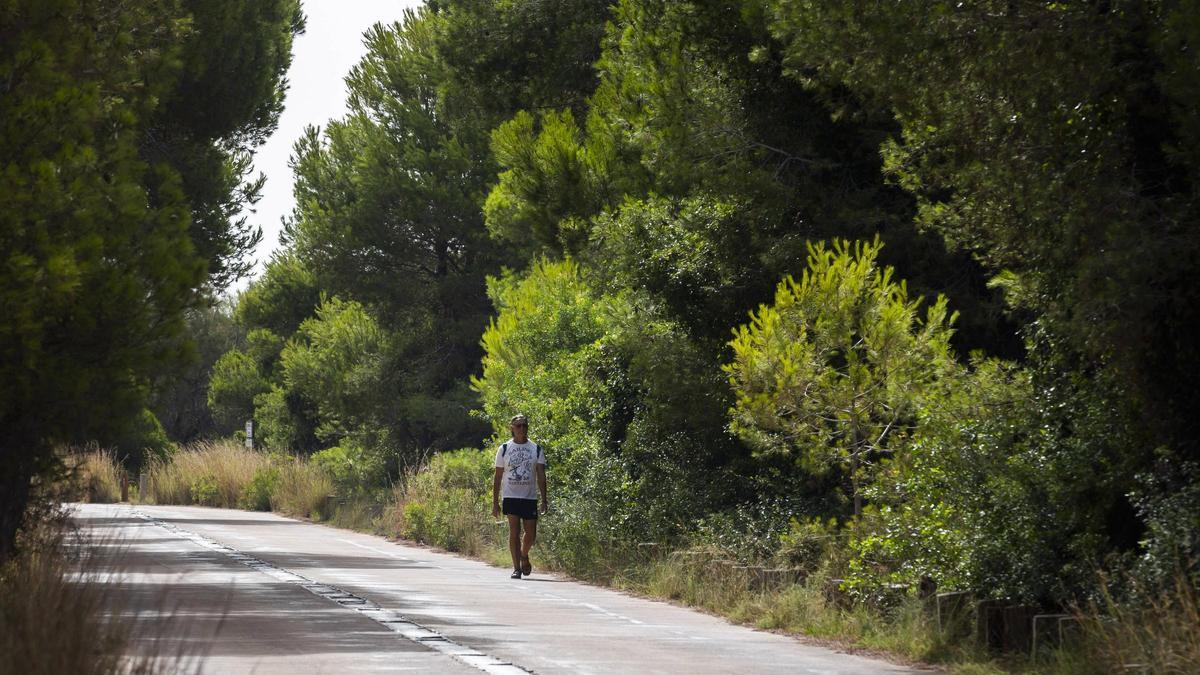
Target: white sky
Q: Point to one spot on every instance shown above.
(322, 56)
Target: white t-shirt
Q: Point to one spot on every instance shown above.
(519, 462)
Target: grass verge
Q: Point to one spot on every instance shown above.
(226, 474)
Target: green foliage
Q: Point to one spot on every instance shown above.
(989, 497)
(1169, 504)
(180, 398)
(335, 361)
(465, 469)
(285, 421)
(354, 469)
(807, 544)
(143, 439)
(831, 374)
(541, 354)
(225, 103)
(630, 413)
(109, 226)
(388, 216)
(690, 253)
(519, 54)
(281, 299)
(204, 491)
(548, 188)
(260, 491)
(233, 386)
(1063, 161)
(444, 502)
(97, 265)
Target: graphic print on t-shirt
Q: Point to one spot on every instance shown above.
(521, 465)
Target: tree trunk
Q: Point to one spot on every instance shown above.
(15, 474)
(855, 449)
(854, 485)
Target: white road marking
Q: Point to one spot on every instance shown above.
(393, 621)
(370, 548)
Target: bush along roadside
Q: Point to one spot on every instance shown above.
(798, 579)
(752, 566)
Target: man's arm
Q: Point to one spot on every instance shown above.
(541, 480)
(496, 491)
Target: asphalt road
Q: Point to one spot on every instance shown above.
(227, 591)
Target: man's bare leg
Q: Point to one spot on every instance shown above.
(514, 539)
(530, 537)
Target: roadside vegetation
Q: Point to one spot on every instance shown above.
(796, 583)
(895, 300)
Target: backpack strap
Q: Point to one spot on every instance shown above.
(504, 449)
(539, 450)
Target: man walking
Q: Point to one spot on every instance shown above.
(519, 462)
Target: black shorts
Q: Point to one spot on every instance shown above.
(525, 509)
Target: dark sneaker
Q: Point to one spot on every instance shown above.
(515, 575)
(526, 566)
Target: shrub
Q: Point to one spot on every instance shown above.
(448, 502)
(354, 469)
(416, 522)
(143, 437)
(807, 544)
(833, 372)
(261, 490)
(204, 491)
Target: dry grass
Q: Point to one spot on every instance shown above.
(207, 473)
(221, 474)
(303, 490)
(98, 474)
(1160, 634)
(703, 578)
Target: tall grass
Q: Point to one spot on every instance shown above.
(1158, 634)
(50, 623)
(302, 490)
(97, 474)
(226, 474)
(813, 605)
(207, 473)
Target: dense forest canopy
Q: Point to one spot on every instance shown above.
(919, 275)
(126, 130)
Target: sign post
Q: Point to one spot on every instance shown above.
(250, 434)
